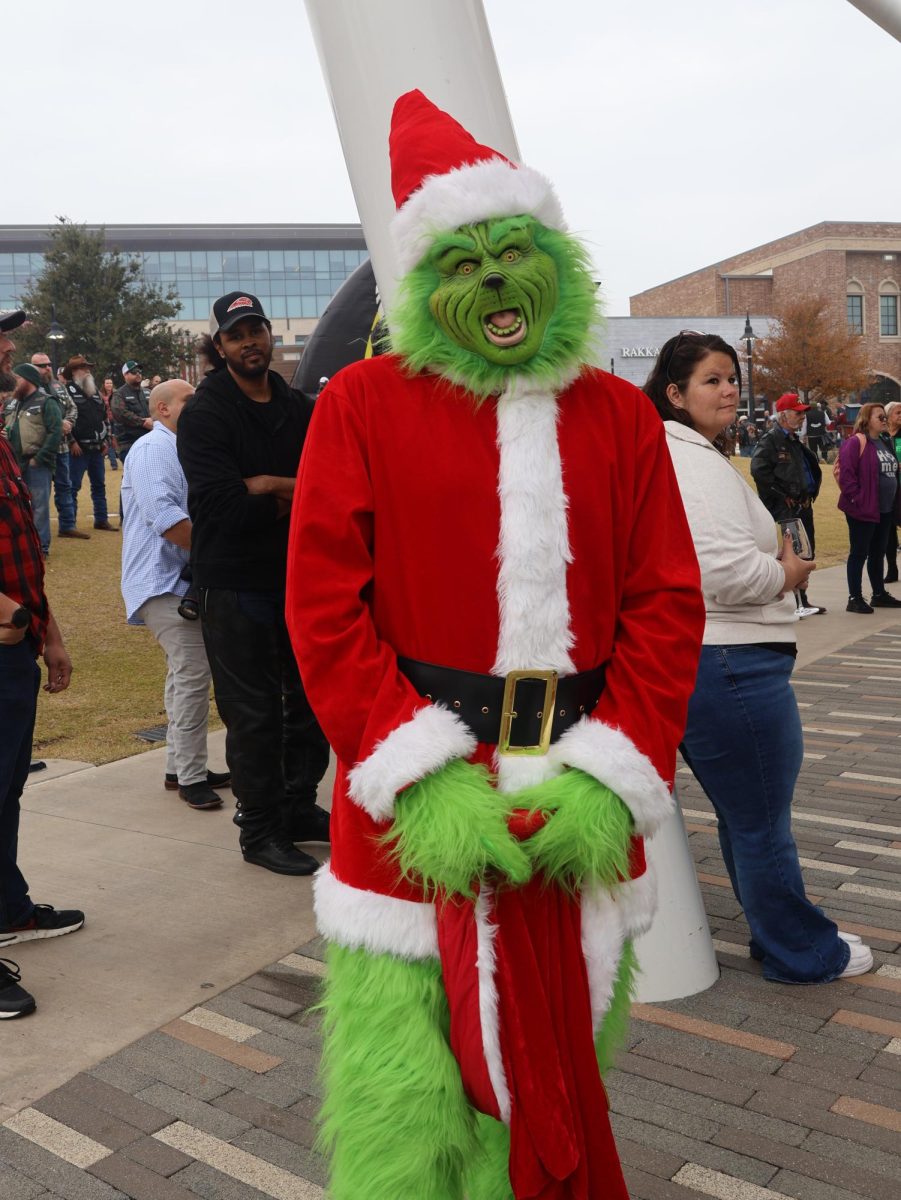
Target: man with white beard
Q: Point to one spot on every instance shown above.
(89, 438)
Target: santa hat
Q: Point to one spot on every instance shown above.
(443, 178)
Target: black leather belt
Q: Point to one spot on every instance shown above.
(522, 713)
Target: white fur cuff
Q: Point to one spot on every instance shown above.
(432, 739)
(363, 920)
(614, 760)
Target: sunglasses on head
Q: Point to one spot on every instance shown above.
(683, 333)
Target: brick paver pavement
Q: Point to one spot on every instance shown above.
(749, 1091)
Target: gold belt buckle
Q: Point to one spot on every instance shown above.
(508, 713)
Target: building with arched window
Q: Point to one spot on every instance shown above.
(855, 266)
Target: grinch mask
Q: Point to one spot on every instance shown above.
(496, 290)
(500, 298)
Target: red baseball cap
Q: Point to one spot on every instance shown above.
(790, 403)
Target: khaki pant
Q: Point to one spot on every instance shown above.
(187, 694)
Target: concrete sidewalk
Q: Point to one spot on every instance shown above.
(174, 1053)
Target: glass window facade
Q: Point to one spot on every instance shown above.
(855, 314)
(290, 283)
(888, 316)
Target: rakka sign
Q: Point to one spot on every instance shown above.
(639, 351)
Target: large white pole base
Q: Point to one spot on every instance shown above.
(676, 956)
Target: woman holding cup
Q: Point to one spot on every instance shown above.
(743, 739)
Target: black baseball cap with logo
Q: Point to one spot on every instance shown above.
(234, 307)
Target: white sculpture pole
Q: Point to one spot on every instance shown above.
(370, 54)
(886, 13)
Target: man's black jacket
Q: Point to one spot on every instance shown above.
(778, 471)
(239, 541)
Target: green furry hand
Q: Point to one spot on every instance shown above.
(451, 829)
(587, 833)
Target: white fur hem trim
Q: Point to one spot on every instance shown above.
(415, 749)
(467, 195)
(488, 1004)
(361, 920)
(610, 918)
(614, 760)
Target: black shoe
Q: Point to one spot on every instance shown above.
(280, 856)
(891, 576)
(857, 604)
(14, 1000)
(312, 826)
(885, 600)
(45, 922)
(215, 779)
(200, 795)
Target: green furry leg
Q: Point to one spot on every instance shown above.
(396, 1121)
(612, 1033)
(488, 1177)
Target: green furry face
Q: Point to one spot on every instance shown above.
(496, 290)
(502, 300)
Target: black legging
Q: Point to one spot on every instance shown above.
(868, 541)
(891, 551)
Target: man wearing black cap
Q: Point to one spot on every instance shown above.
(27, 629)
(34, 426)
(239, 441)
(131, 412)
(788, 477)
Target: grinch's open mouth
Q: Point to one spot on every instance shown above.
(505, 328)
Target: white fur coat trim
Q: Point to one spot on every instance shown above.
(413, 750)
(614, 760)
(466, 196)
(488, 1003)
(362, 920)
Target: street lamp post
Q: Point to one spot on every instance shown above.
(749, 339)
(55, 334)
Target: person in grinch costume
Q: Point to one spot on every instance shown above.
(495, 605)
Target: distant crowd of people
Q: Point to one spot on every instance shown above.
(207, 483)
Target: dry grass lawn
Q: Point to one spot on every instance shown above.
(119, 671)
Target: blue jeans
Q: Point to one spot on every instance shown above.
(744, 745)
(19, 681)
(62, 493)
(38, 480)
(92, 462)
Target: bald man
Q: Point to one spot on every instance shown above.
(155, 579)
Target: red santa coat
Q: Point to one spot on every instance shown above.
(531, 531)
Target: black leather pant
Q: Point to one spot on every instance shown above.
(275, 750)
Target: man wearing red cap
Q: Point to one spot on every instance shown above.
(788, 477)
(496, 612)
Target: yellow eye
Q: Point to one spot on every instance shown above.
(466, 268)
(509, 256)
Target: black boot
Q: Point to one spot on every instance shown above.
(265, 844)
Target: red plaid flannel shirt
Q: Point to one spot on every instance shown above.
(21, 561)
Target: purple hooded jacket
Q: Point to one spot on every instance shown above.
(858, 479)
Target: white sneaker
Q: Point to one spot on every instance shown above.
(860, 962)
(854, 938)
(807, 611)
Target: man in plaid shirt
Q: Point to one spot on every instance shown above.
(27, 629)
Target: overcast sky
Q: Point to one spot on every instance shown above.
(676, 133)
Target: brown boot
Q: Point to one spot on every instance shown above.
(106, 526)
(74, 533)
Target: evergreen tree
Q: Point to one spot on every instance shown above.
(108, 311)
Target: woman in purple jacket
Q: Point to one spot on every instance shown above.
(868, 483)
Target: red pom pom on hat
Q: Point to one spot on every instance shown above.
(442, 178)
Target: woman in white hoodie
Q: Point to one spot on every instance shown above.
(743, 739)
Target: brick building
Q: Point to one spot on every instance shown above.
(854, 265)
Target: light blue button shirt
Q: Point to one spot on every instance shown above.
(154, 498)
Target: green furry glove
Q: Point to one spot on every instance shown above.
(451, 829)
(587, 833)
